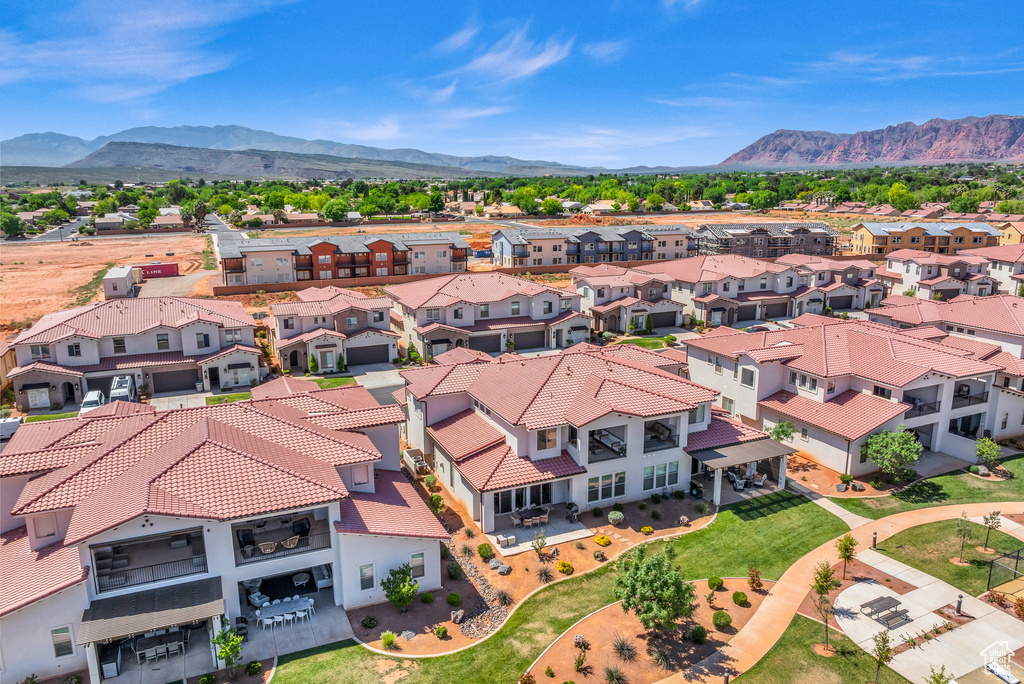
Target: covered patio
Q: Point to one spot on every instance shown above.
(748, 469)
(562, 526)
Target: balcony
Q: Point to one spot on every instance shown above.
(150, 559)
(921, 408)
(519, 252)
(313, 542)
(572, 249)
(400, 258)
(606, 444)
(602, 247)
(658, 437)
(147, 574)
(962, 400)
(235, 268)
(281, 536)
(617, 247)
(459, 255)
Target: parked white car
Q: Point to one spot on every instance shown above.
(93, 400)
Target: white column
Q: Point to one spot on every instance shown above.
(216, 627)
(337, 570)
(94, 663)
(782, 472)
(717, 496)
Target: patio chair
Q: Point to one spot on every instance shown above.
(174, 648)
(759, 482)
(151, 655)
(275, 602)
(528, 522)
(162, 651)
(268, 547)
(278, 620)
(543, 519)
(731, 475)
(301, 615)
(295, 598)
(289, 618)
(311, 608)
(265, 621)
(516, 522)
(290, 542)
(738, 485)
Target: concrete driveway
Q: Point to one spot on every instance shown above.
(380, 379)
(171, 400)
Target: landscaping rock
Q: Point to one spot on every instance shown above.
(505, 570)
(554, 551)
(408, 634)
(458, 616)
(495, 564)
(840, 487)
(857, 487)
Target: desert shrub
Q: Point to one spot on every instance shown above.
(721, 620)
(445, 552)
(469, 532)
(617, 507)
(846, 478)
(544, 574)
(427, 597)
(655, 498)
(486, 551)
(369, 622)
(436, 503)
(974, 469)
(599, 556)
(253, 668)
(602, 540)
(679, 495)
(642, 505)
(613, 675)
(441, 632)
(598, 511)
(615, 518)
(388, 640)
(454, 599)
(754, 579)
(660, 657)
(527, 679)
(656, 515)
(467, 551)
(699, 635)
(454, 571)
(430, 481)
(77, 679)
(580, 545)
(715, 583)
(549, 672)
(624, 648)
(702, 507)
(504, 598)
(739, 598)
(564, 567)
(647, 529)
(209, 678)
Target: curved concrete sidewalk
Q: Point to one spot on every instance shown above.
(767, 625)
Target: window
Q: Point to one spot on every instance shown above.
(366, 580)
(457, 313)
(442, 253)
(434, 314)
(803, 381)
(324, 259)
(725, 286)
(831, 387)
(202, 341)
(706, 287)
(565, 304)
(883, 392)
(812, 384)
(288, 323)
(697, 415)
(976, 240)
(1006, 417)
(747, 377)
(792, 377)
(958, 240)
(74, 349)
(729, 405)
(233, 335)
(574, 434)
(162, 341)
(548, 307)
(764, 283)
(789, 281)
(485, 311)
(256, 262)
(915, 240)
(62, 643)
(382, 270)
(515, 308)
(803, 434)
(40, 351)
(718, 365)
(547, 439)
(351, 322)
(44, 526)
(381, 256)
(606, 487)
(119, 346)
(538, 248)
(361, 473)
(282, 261)
(418, 255)
(417, 563)
(589, 247)
(600, 292)
(741, 285)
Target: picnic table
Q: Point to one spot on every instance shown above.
(878, 605)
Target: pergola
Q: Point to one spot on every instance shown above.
(720, 458)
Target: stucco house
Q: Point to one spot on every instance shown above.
(929, 275)
(621, 299)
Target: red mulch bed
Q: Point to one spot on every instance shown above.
(602, 627)
(856, 572)
(802, 469)
(1015, 517)
(222, 676)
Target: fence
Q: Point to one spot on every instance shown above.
(1006, 569)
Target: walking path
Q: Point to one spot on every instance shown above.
(852, 520)
(766, 627)
(1014, 529)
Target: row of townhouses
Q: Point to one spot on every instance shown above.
(929, 275)
(553, 246)
(773, 239)
(128, 521)
(940, 238)
(287, 260)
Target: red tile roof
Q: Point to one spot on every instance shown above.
(134, 316)
(712, 268)
(850, 415)
(464, 434)
(723, 431)
(328, 301)
(458, 355)
(29, 576)
(498, 467)
(999, 313)
(131, 361)
(121, 408)
(472, 288)
(282, 387)
(394, 510)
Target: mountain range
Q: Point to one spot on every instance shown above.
(237, 151)
(938, 141)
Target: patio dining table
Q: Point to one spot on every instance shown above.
(160, 640)
(535, 512)
(289, 606)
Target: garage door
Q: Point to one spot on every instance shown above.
(529, 340)
(665, 319)
(779, 310)
(489, 343)
(374, 353)
(746, 313)
(175, 381)
(101, 384)
(841, 302)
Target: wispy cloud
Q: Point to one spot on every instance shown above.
(381, 130)
(685, 4)
(516, 56)
(605, 51)
(698, 101)
(880, 65)
(457, 40)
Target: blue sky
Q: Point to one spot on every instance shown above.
(598, 83)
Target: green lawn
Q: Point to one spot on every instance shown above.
(929, 547)
(770, 532)
(951, 488)
(328, 383)
(50, 416)
(646, 342)
(792, 660)
(228, 398)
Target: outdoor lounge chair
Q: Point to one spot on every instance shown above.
(759, 482)
(291, 542)
(738, 485)
(268, 547)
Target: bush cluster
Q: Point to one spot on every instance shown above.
(454, 599)
(616, 518)
(739, 598)
(647, 529)
(564, 567)
(369, 622)
(715, 583)
(721, 620)
(427, 597)
(602, 540)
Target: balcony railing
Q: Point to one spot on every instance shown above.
(572, 249)
(923, 409)
(147, 574)
(652, 445)
(605, 455)
(519, 251)
(970, 399)
(313, 542)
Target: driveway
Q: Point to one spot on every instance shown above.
(171, 400)
(175, 286)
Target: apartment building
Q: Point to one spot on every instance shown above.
(766, 239)
(488, 312)
(335, 326)
(590, 245)
(129, 522)
(928, 275)
(840, 381)
(167, 343)
(1005, 265)
(585, 429)
(299, 259)
(940, 238)
(621, 299)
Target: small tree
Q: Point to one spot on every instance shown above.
(964, 531)
(846, 546)
(313, 365)
(754, 579)
(399, 587)
(540, 540)
(782, 431)
(823, 585)
(991, 522)
(881, 651)
(654, 589)
(937, 677)
(229, 648)
(988, 452)
(649, 323)
(893, 450)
